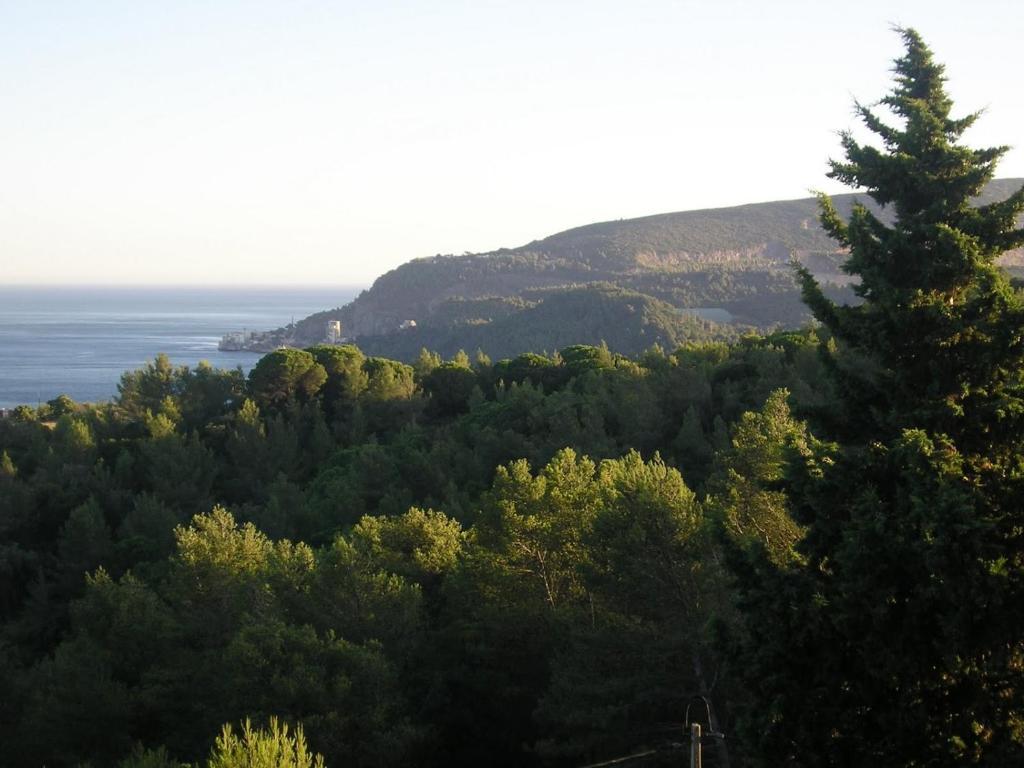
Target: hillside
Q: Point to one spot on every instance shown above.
(732, 260)
(551, 320)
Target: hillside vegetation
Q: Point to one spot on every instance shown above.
(417, 565)
(735, 259)
(547, 321)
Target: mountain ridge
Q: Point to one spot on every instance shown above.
(736, 259)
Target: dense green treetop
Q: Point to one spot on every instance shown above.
(285, 374)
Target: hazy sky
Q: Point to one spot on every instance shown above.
(325, 142)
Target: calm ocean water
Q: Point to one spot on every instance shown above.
(78, 341)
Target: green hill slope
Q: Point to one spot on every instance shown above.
(551, 320)
(731, 259)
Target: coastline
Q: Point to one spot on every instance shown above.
(79, 341)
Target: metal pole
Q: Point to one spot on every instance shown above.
(695, 761)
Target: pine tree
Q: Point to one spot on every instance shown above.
(936, 341)
(898, 636)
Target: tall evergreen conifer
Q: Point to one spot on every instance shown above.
(898, 637)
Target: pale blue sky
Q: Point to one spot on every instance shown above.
(326, 142)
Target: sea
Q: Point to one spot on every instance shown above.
(78, 341)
